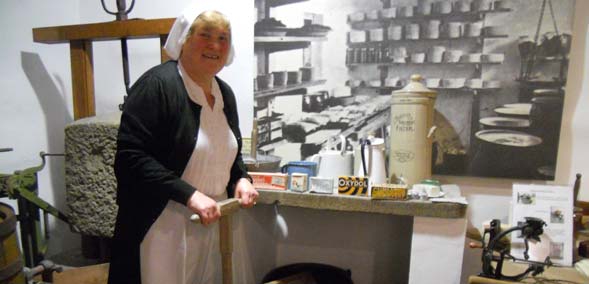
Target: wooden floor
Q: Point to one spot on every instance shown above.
(94, 274)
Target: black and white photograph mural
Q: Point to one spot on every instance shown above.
(326, 69)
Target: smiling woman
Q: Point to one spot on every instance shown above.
(178, 154)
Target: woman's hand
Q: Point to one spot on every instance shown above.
(245, 191)
(206, 208)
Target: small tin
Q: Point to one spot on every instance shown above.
(298, 182)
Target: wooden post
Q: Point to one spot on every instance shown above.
(226, 248)
(82, 78)
(163, 56)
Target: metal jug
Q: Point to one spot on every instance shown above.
(369, 160)
(412, 116)
(332, 163)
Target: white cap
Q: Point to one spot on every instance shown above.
(179, 31)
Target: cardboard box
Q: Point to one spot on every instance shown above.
(298, 182)
(350, 185)
(274, 181)
(389, 191)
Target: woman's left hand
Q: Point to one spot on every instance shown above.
(245, 191)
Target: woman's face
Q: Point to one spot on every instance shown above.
(208, 47)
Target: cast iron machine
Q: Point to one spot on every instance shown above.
(531, 229)
(22, 185)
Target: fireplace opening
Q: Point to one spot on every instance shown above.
(309, 273)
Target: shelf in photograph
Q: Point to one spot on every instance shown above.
(543, 83)
(542, 58)
(374, 43)
(384, 65)
(472, 14)
(389, 89)
(276, 3)
(287, 90)
(288, 39)
(269, 44)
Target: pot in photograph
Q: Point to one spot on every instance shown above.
(483, 5)
(356, 17)
(453, 83)
(492, 84)
(280, 78)
(442, 7)
(395, 32)
(265, 81)
(435, 53)
(493, 57)
(391, 81)
(399, 59)
(418, 57)
(424, 7)
(513, 112)
(500, 5)
(452, 56)
(372, 15)
(473, 29)
(389, 13)
(294, 77)
(405, 11)
(315, 102)
(376, 34)
(400, 51)
(506, 153)
(432, 29)
(262, 163)
(432, 82)
(463, 6)
(452, 29)
(545, 114)
(471, 58)
(474, 83)
(357, 36)
(412, 31)
(492, 31)
(307, 73)
(506, 123)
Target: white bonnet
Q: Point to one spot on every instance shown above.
(179, 31)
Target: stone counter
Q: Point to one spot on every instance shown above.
(90, 145)
(363, 204)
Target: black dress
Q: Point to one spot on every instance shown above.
(157, 134)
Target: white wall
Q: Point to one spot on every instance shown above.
(35, 78)
(36, 99)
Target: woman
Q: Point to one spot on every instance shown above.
(178, 153)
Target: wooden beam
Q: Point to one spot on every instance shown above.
(135, 28)
(82, 78)
(163, 55)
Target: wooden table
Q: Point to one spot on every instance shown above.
(568, 275)
(80, 38)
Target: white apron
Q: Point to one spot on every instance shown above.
(175, 250)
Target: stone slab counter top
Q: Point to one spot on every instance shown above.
(347, 203)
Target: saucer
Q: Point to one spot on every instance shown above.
(437, 196)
